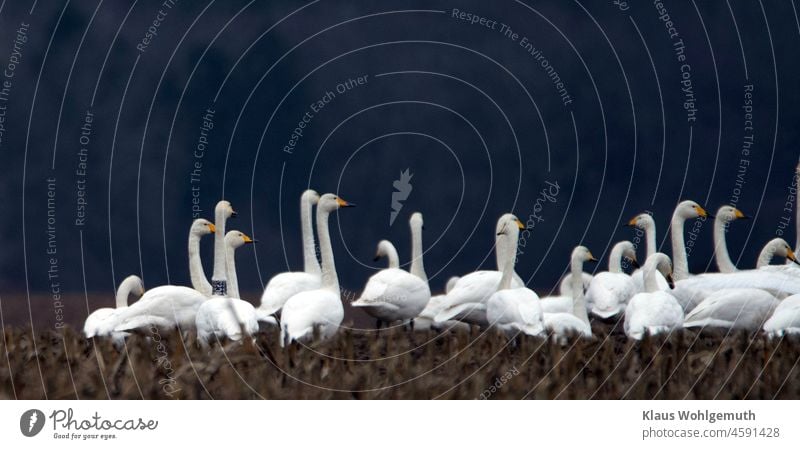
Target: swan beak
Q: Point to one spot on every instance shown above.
(520, 225)
(343, 203)
(234, 214)
(631, 222)
(670, 282)
(790, 255)
(247, 239)
(740, 215)
(635, 263)
(212, 228)
(376, 258)
(702, 212)
(591, 258)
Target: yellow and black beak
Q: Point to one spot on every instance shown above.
(739, 215)
(790, 255)
(632, 222)
(343, 203)
(520, 225)
(702, 212)
(247, 239)
(212, 228)
(591, 258)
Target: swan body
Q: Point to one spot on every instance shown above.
(565, 286)
(653, 311)
(227, 316)
(564, 302)
(610, 290)
(394, 294)
(425, 319)
(283, 286)
(733, 308)
(164, 307)
(785, 319)
(317, 312)
(561, 325)
(96, 323)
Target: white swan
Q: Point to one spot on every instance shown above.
(779, 280)
(514, 310)
(684, 211)
(653, 311)
(200, 227)
(564, 303)
(170, 306)
(393, 294)
(565, 286)
(785, 319)
(646, 223)
(227, 316)
(610, 290)
(94, 325)
(725, 215)
(467, 300)
(425, 319)
(574, 321)
(283, 286)
(317, 311)
(386, 249)
(733, 308)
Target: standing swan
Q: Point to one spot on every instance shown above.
(576, 320)
(610, 290)
(466, 301)
(227, 316)
(655, 310)
(394, 294)
(725, 215)
(646, 223)
(283, 286)
(94, 325)
(317, 310)
(684, 211)
(514, 310)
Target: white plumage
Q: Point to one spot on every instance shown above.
(734, 308)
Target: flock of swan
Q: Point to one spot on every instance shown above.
(660, 296)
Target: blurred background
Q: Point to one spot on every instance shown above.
(122, 121)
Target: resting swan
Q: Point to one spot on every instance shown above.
(564, 303)
(785, 319)
(467, 300)
(319, 310)
(733, 308)
(610, 290)
(725, 215)
(653, 311)
(575, 321)
(394, 294)
(95, 326)
(227, 316)
(170, 306)
(514, 310)
(285, 285)
(425, 319)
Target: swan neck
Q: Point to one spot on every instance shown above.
(233, 280)
(724, 262)
(615, 260)
(417, 264)
(578, 301)
(650, 235)
(391, 255)
(679, 258)
(219, 278)
(649, 274)
(310, 262)
(508, 264)
(123, 291)
(196, 272)
(766, 255)
(329, 278)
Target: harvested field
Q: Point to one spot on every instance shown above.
(400, 364)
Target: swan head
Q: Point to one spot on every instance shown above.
(416, 221)
(137, 284)
(729, 213)
(508, 224)
(782, 249)
(690, 209)
(662, 263)
(224, 209)
(235, 239)
(330, 202)
(310, 196)
(201, 226)
(625, 249)
(642, 221)
(385, 248)
(582, 254)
